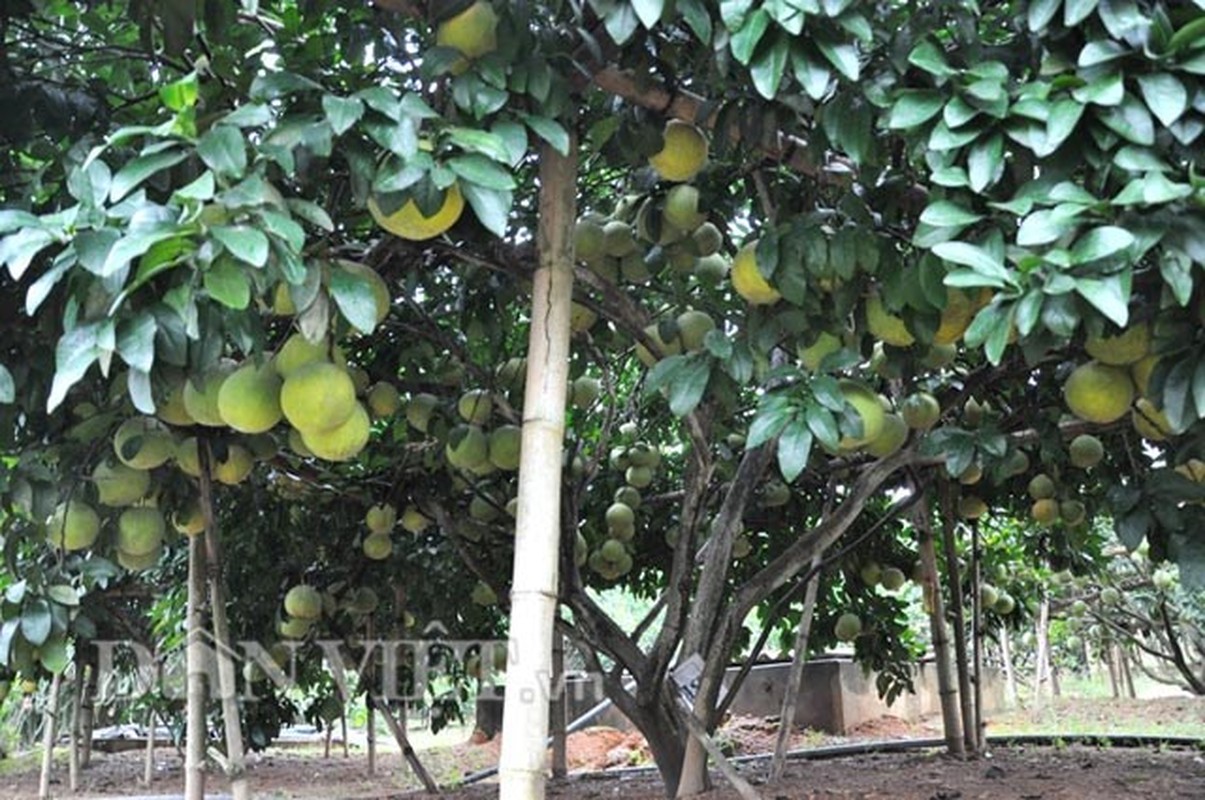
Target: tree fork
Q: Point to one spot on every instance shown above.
(537, 524)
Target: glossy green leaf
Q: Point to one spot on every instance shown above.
(1099, 243)
(1040, 13)
(342, 112)
(929, 57)
(137, 170)
(1165, 96)
(134, 245)
(180, 94)
(224, 151)
(1076, 11)
(686, 390)
(490, 206)
(245, 243)
(483, 171)
(914, 107)
(8, 387)
(842, 55)
(985, 163)
(772, 416)
(794, 448)
(136, 341)
(978, 258)
(697, 17)
(36, 621)
(550, 131)
(947, 214)
(226, 283)
(768, 70)
(745, 41)
(354, 295)
(1109, 295)
(648, 11)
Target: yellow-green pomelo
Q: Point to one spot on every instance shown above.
(890, 439)
(294, 628)
(414, 520)
(1072, 512)
(138, 563)
(504, 447)
(892, 578)
(118, 485)
(683, 153)
(235, 468)
(383, 399)
(377, 546)
(1127, 347)
(282, 301)
(343, 442)
(1041, 487)
(707, 240)
(824, 345)
(319, 397)
(848, 627)
(473, 32)
(188, 459)
(201, 394)
(584, 391)
(884, 326)
(589, 244)
(971, 507)
(957, 315)
(712, 269)
(869, 410)
(1045, 511)
(1140, 372)
(409, 222)
(249, 400)
(190, 520)
(1086, 451)
(921, 411)
(467, 447)
(139, 531)
(143, 443)
(303, 602)
(475, 406)
(1098, 392)
(381, 518)
(693, 327)
(170, 408)
(74, 525)
(419, 409)
(682, 208)
(663, 348)
(747, 279)
(297, 353)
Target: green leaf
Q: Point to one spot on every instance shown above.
(1165, 96)
(285, 228)
(848, 124)
(976, 257)
(794, 448)
(8, 387)
(914, 107)
(1109, 295)
(486, 143)
(550, 131)
(822, 421)
(54, 655)
(36, 621)
(688, 386)
(621, 22)
(744, 41)
(227, 284)
(19, 249)
(1064, 117)
(342, 112)
(63, 594)
(491, 206)
(180, 94)
(355, 298)
(136, 341)
(1131, 121)
(772, 416)
(1100, 52)
(1198, 388)
(697, 17)
(842, 55)
(812, 75)
(250, 115)
(483, 171)
(1178, 402)
(134, 245)
(1076, 11)
(1176, 269)
(137, 170)
(985, 163)
(200, 190)
(1105, 90)
(1042, 227)
(768, 70)
(243, 242)
(648, 11)
(1099, 243)
(224, 151)
(929, 57)
(1040, 13)
(312, 213)
(947, 214)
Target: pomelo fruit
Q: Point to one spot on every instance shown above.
(201, 394)
(118, 485)
(143, 443)
(409, 223)
(303, 602)
(1127, 347)
(235, 467)
(319, 397)
(467, 447)
(381, 518)
(473, 33)
(747, 279)
(847, 627)
(1086, 451)
(298, 352)
(419, 409)
(74, 525)
(249, 399)
(921, 411)
(377, 546)
(683, 153)
(504, 447)
(343, 442)
(693, 327)
(475, 406)
(1098, 392)
(140, 531)
(866, 405)
(884, 326)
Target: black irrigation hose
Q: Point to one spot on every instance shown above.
(904, 745)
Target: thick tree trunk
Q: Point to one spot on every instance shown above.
(1041, 654)
(954, 579)
(795, 677)
(148, 765)
(1129, 676)
(50, 726)
(931, 587)
(1010, 670)
(195, 728)
(537, 526)
(977, 637)
(77, 699)
(1111, 660)
(236, 768)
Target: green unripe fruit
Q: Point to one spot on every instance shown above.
(140, 531)
(249, 399)
(505, 446)
(921, 411)
(475, 406)
(1086, 451)
(419, 410)
(639, 476)
(377, 546)
(118, 485)
(143, 443)
(303, 602)
(381, 518)
(892, 579)
(848, 627)
(73, 526)
(297, 353)
(1041, 487)
(318, 397)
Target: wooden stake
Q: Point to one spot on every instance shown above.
(77, 699)
(790, 700)
(931, 586)
(50, 719)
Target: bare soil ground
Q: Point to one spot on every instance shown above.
(1055, 773)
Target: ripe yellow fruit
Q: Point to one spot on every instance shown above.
(118, 485)
(866, 404)
(1085, 451)
(282, 301)
(317, 398)
(683, 154)
(187, 458)
(143, 443)
(303, 602)
(747, 279)
(140, 531)
(343, 442)
(201, 394)
(1150, 421)
(1045, 511)
(824, 345)
(1127, 347)
(170, 408)
(236, 466)
(377, 546)
(408, 222)
(414, 520)
(249, 399)
(473, 33)
(74, 525)
(294, 628)
(581, 318)
(1098, 392)
(957, 315)
(298, 352)
(886, 327)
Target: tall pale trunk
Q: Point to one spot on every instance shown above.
(77, 704)
(236, 767)
(977, 637)
(795, 676)
(148, 764)
(954, 579)
(537, 524)
(1042, 656)
(195, 731)
(89, 717)
(50, 727)
(1010, 670)
(947, 689)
